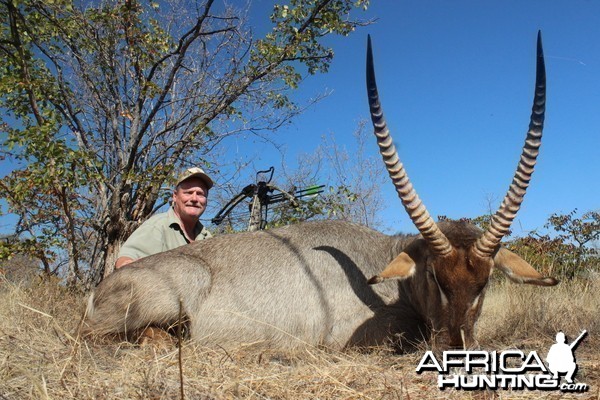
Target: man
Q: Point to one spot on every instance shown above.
(178, 226)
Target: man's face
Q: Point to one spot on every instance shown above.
(190, 198)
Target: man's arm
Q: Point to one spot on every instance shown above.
(143, 242)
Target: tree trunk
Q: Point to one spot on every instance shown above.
(112, 253)
(116, 229)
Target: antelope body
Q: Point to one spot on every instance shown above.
(329, 283)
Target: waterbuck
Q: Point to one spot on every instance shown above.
(330, 283)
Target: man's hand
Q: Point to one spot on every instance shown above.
(121, 261)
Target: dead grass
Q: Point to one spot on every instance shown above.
(41, 356)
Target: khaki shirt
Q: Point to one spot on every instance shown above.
(160, 233)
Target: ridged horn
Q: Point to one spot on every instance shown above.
(410, 200)
(507, 212)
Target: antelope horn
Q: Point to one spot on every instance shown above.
(501, 221)
(410, 200)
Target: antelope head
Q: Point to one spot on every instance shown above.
(451, 262)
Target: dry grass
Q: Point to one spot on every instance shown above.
(41, 356)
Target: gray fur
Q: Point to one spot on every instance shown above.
(305, 284)
(286, 287)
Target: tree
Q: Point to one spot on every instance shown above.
(581, 230)
(351, 181)
(570, 243)
(103, 101)
(354, 179)
(565, 250)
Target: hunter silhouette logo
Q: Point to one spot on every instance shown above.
(561, 358)
(508, 369)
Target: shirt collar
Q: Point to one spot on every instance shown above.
(173, 219)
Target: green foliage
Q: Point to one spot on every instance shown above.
(293, 38)
(581, 231)
(328, 205)
(565, 251)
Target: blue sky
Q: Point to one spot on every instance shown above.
(456, 82)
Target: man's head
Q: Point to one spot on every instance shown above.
(190, 194)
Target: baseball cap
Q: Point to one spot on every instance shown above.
(194, 172)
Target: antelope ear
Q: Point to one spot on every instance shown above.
(401, 267)
(519, 270)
